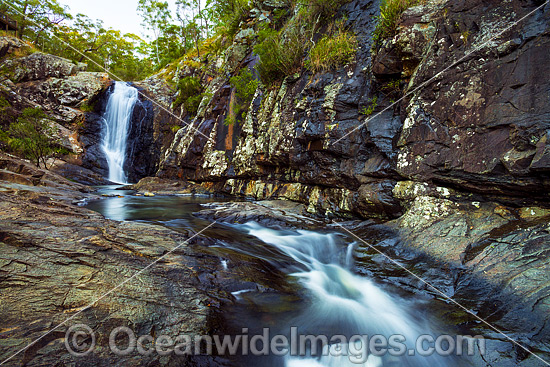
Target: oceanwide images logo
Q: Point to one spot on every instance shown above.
(80, 340)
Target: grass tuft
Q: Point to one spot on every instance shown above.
(335, 49)
(390, 14)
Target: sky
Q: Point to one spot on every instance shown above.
(116, 14)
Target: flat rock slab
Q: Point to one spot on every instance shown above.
(57, 258)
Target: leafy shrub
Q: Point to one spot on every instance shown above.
(189, 94)
(333, 50)
(231, 13)
(245, 86)
(390, 14)
(86, 107)
(367, 111)
(31, 136)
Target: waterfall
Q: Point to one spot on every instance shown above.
(115, 132)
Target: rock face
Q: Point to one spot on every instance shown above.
(287, 145)
(307, 140)
(151, 130)
(481, 125)
(460, 163)
(64, 91)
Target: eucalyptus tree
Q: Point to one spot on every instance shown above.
(156, 16)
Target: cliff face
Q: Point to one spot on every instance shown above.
(482, 124)
(70, 96)
(286, 144)
(479, 127)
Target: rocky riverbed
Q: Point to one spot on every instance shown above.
(58, 257)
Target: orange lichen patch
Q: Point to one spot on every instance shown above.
(231, 116)
(229, 138)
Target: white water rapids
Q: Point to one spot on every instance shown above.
(118, 114)
(345, 303)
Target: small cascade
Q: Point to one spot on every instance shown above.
(118, 114)
(345, 303)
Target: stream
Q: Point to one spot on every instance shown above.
(306, 282)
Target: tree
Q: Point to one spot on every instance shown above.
(108, 49)
(194, 20)
(31, 136)
(36, 18)
(156, 15)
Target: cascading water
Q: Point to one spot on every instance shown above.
(115, 133)
(345, 304)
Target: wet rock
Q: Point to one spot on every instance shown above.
(497, 253)
(271, 213)
(161, 186)
(152, 128)
(79, 174)
(20, 171)
(50, 272)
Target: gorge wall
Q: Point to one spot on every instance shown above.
(459, 165)
(480, 127)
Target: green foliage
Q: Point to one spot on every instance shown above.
(231, 118)
(281, 53)
(31, 135)
(334, 49)
(392, 85)
(36, 19)
(85, 107)
(321, 10)
(390, 14)
(367, 111)
(245, 86)
(189, 94)
(4, 103)
(230, 14)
